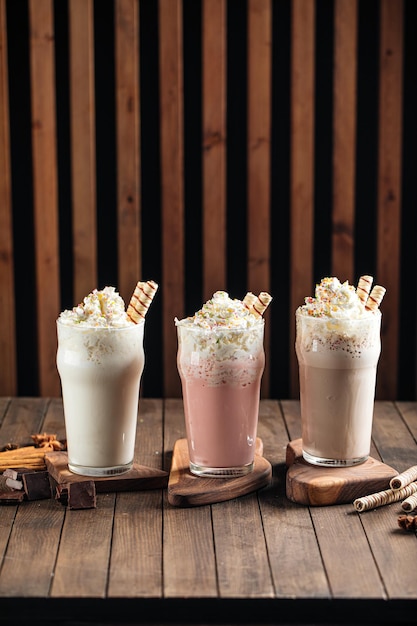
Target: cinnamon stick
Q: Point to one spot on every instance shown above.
(27, 456)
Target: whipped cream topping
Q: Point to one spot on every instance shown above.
(334, 299)
(222, 329)
(221, 312)
(100, 309)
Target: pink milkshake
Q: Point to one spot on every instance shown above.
(220, 361)
(338, 347)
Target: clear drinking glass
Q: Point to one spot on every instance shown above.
(337, 368)
(100, 371)
(221, 371)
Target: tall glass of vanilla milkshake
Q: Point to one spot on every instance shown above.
(100, 361)
(221, 361)
(338, 347)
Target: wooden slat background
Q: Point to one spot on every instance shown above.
(302, 163)
(214, 144)
(8, 378)
(245, 145)
(259, 156)
(83, 157)
(128, 142)
(45, 189)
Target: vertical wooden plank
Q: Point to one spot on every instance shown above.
(8, 375)
(42, 67)
(83, 162)
(214, 146)
(259, 156)
(128, 145)
(344, 139)
(302, 165)
(389, 188)
(172, 185)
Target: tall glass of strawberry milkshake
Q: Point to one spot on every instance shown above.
(338, 346)
(221, 361)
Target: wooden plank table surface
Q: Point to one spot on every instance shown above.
(256, 559)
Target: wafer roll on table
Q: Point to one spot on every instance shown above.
(405, 478)
(381, 498)
(410, 503)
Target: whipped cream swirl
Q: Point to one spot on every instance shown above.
(221, 312)
(100, 309)
(334, 299)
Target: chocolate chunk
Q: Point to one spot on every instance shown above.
(82, 495)
(61, 493)
(11, 497)
(37, 485)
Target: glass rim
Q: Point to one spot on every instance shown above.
(85, 327)
(374, 315)
(184, 323)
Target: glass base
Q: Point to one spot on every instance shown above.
(323, 462)
(99, 471)
(221, 472)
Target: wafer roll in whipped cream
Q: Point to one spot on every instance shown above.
(249, 300)
(375, 298)
(257, 305)
(364, 287)
(141, 300)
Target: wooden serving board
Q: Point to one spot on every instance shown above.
(186, 489)
(139, 478)
(320, 486)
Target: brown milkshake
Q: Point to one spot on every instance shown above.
(338, 346)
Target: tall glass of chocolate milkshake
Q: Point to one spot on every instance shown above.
(338, 346)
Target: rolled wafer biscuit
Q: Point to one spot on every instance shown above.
(375, 298)
(405, 478)
(410, 503)
(261, 303)
(140, 300)
(364, 287)
(249, 300)
(380, 498)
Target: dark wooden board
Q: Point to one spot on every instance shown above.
(321, 486)
(139, 478)
(186, 489)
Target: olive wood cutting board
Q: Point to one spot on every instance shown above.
(320, 486)
(139, 478)
(186, 489)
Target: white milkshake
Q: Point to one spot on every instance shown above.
(100, 360)
(338, 347)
